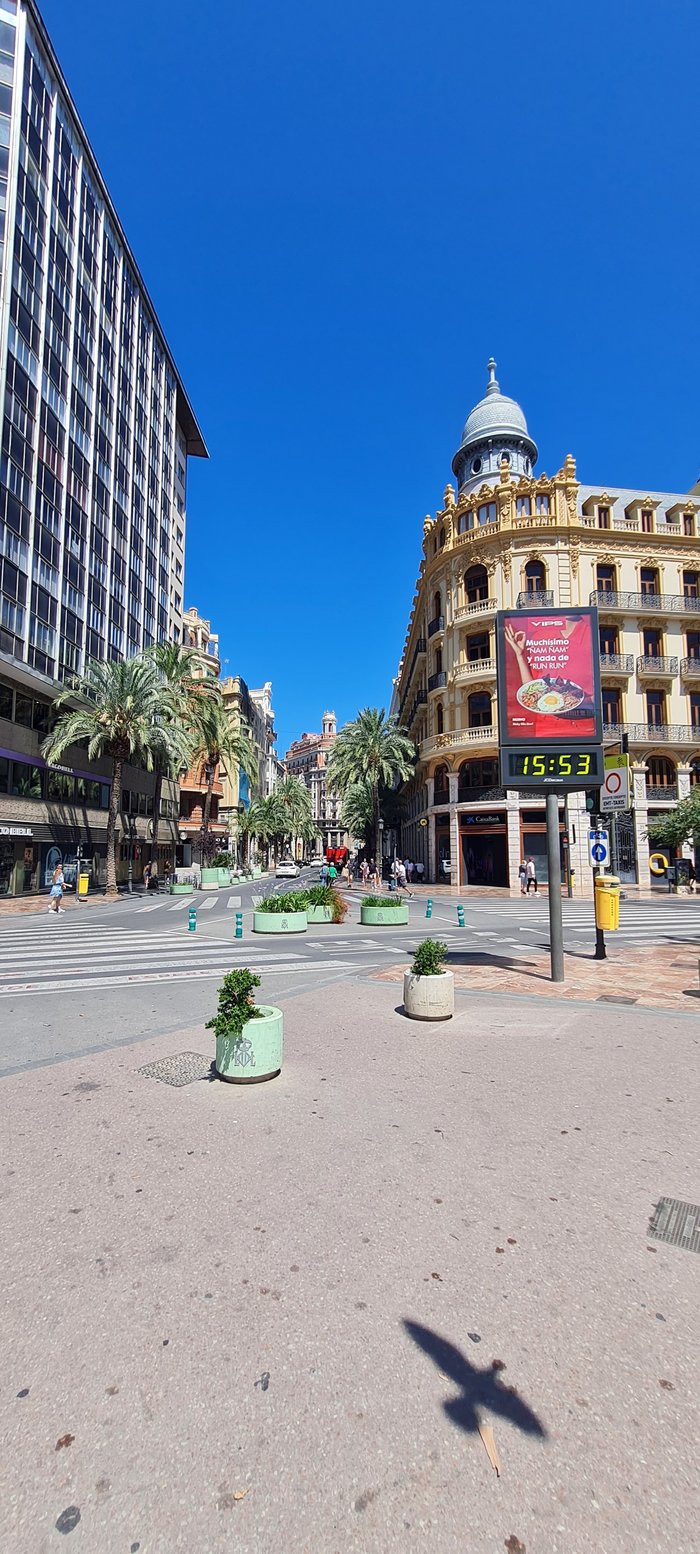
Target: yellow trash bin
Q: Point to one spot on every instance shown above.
(83, 882)
(607, 901)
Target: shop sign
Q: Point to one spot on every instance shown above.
(16, 831)
(482, 820)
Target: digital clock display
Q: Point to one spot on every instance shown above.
(540, 766)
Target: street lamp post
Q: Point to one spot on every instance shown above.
(204, 833)
(380, 860)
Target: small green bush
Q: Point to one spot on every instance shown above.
(382, 901)
(428, 959)
(320, 895)
(236, 1003)
(293, 901)
(222, 861)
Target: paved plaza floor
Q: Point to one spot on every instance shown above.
(280, 1319)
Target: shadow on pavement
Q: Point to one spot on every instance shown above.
(479, 1388)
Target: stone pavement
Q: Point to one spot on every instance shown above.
(655, 977)
(271, 1319)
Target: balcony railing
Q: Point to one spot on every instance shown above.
(617, 663)
(436, 681)
(648, 663)
(475, 666)
(668, 793)
(654, 733)
(462, 736)
(690, 668)
(476, 607)
(438, 624)
(419, 700)
(541, 600)
(666, 604)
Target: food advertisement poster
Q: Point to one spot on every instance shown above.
(548, 676)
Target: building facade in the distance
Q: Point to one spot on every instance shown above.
(250, 712)
(203, 643)
(510, 538)
(96, 433)
(307, 759)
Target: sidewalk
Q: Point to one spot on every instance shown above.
(270, 1319)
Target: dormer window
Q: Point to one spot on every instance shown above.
(647, 520)
(603, 517)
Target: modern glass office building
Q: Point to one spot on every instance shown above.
(96, 432)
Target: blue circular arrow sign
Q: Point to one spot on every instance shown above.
(599, 852)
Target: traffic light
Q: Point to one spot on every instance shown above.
(592, 800)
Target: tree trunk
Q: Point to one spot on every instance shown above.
(115, 795)
(207, 810)
(377, 832)
(157, 797)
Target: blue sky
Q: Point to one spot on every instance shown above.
(341, 212)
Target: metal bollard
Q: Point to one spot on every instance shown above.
(429, 907)
(192, 920)
(460, 916)
(239, 925)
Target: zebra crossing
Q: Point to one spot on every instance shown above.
(640, 921)
(49, 955)
(165, 904)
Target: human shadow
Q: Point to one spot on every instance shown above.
(480, 1389)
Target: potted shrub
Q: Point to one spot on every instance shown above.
(429, 990)
(281, 914)
(326, 905)
(249, 1037)
(383, 911)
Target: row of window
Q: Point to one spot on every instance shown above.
(476, 582)
(479, 647)
(475, 776)
(21, 779)
(481, 713)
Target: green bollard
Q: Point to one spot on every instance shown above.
(239, 925)
(192, 920)
(429, 908)
(460, 916)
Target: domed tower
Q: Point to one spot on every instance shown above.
(495, 430)
(329, 725)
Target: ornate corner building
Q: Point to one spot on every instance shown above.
(306, 759)
(508, 538)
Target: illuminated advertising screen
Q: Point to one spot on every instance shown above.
(548, 677)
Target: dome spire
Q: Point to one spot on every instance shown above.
(493, 386)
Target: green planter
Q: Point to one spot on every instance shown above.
(384, 917)
(209, 879)
(279, 922)
(182, 888)
(224, 876)
(319, 914)
(257, 1054)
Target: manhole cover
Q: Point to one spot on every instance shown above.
(677, 1223)
(615, 998)
(182, 1069)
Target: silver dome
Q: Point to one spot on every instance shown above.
(495, 415)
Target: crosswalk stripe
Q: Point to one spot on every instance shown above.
(233, 901)
(74, 984)
(204, 906)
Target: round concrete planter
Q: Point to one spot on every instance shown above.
(182, 889)
(254, 1055)
(319, 914)
(429, 998)
(384, 917)
(279, 922)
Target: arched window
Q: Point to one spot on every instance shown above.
(479, 709)
(476, 584)
(661, 773)
(442, 784)
(440, 718)
(535, 577)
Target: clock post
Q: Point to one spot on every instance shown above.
(550, 724)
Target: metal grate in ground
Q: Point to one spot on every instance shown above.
(677, 1223)
(182, 1069)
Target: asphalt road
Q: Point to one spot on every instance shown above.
(109, 974)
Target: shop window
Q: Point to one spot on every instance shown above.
(478, 647)
(476, 584)
(608, 639)
(26, 780)
(4, 774)
(479, 710)
(612, 705)
(605, 579)
(6, 699)
(535, 577)
(691, 580)
(649, 580)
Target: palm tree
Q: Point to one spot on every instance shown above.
(116, 710)
(371, 749)
(356, 811)
(262, 820)
(216, 740)
(183, 693)
(293, 801)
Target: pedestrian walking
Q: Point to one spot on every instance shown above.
(323, 873)
(347, 871)
(373, 874)
(522, 875)
(420, 872)
(364, 871)
(58, 885)
(531, 875)
(332, 874)
(409, 869)
(402, 877)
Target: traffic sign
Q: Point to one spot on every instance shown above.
(615, 790)
(599, 849)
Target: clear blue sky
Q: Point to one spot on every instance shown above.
(341, 212)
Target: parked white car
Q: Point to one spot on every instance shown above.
(287, 870)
